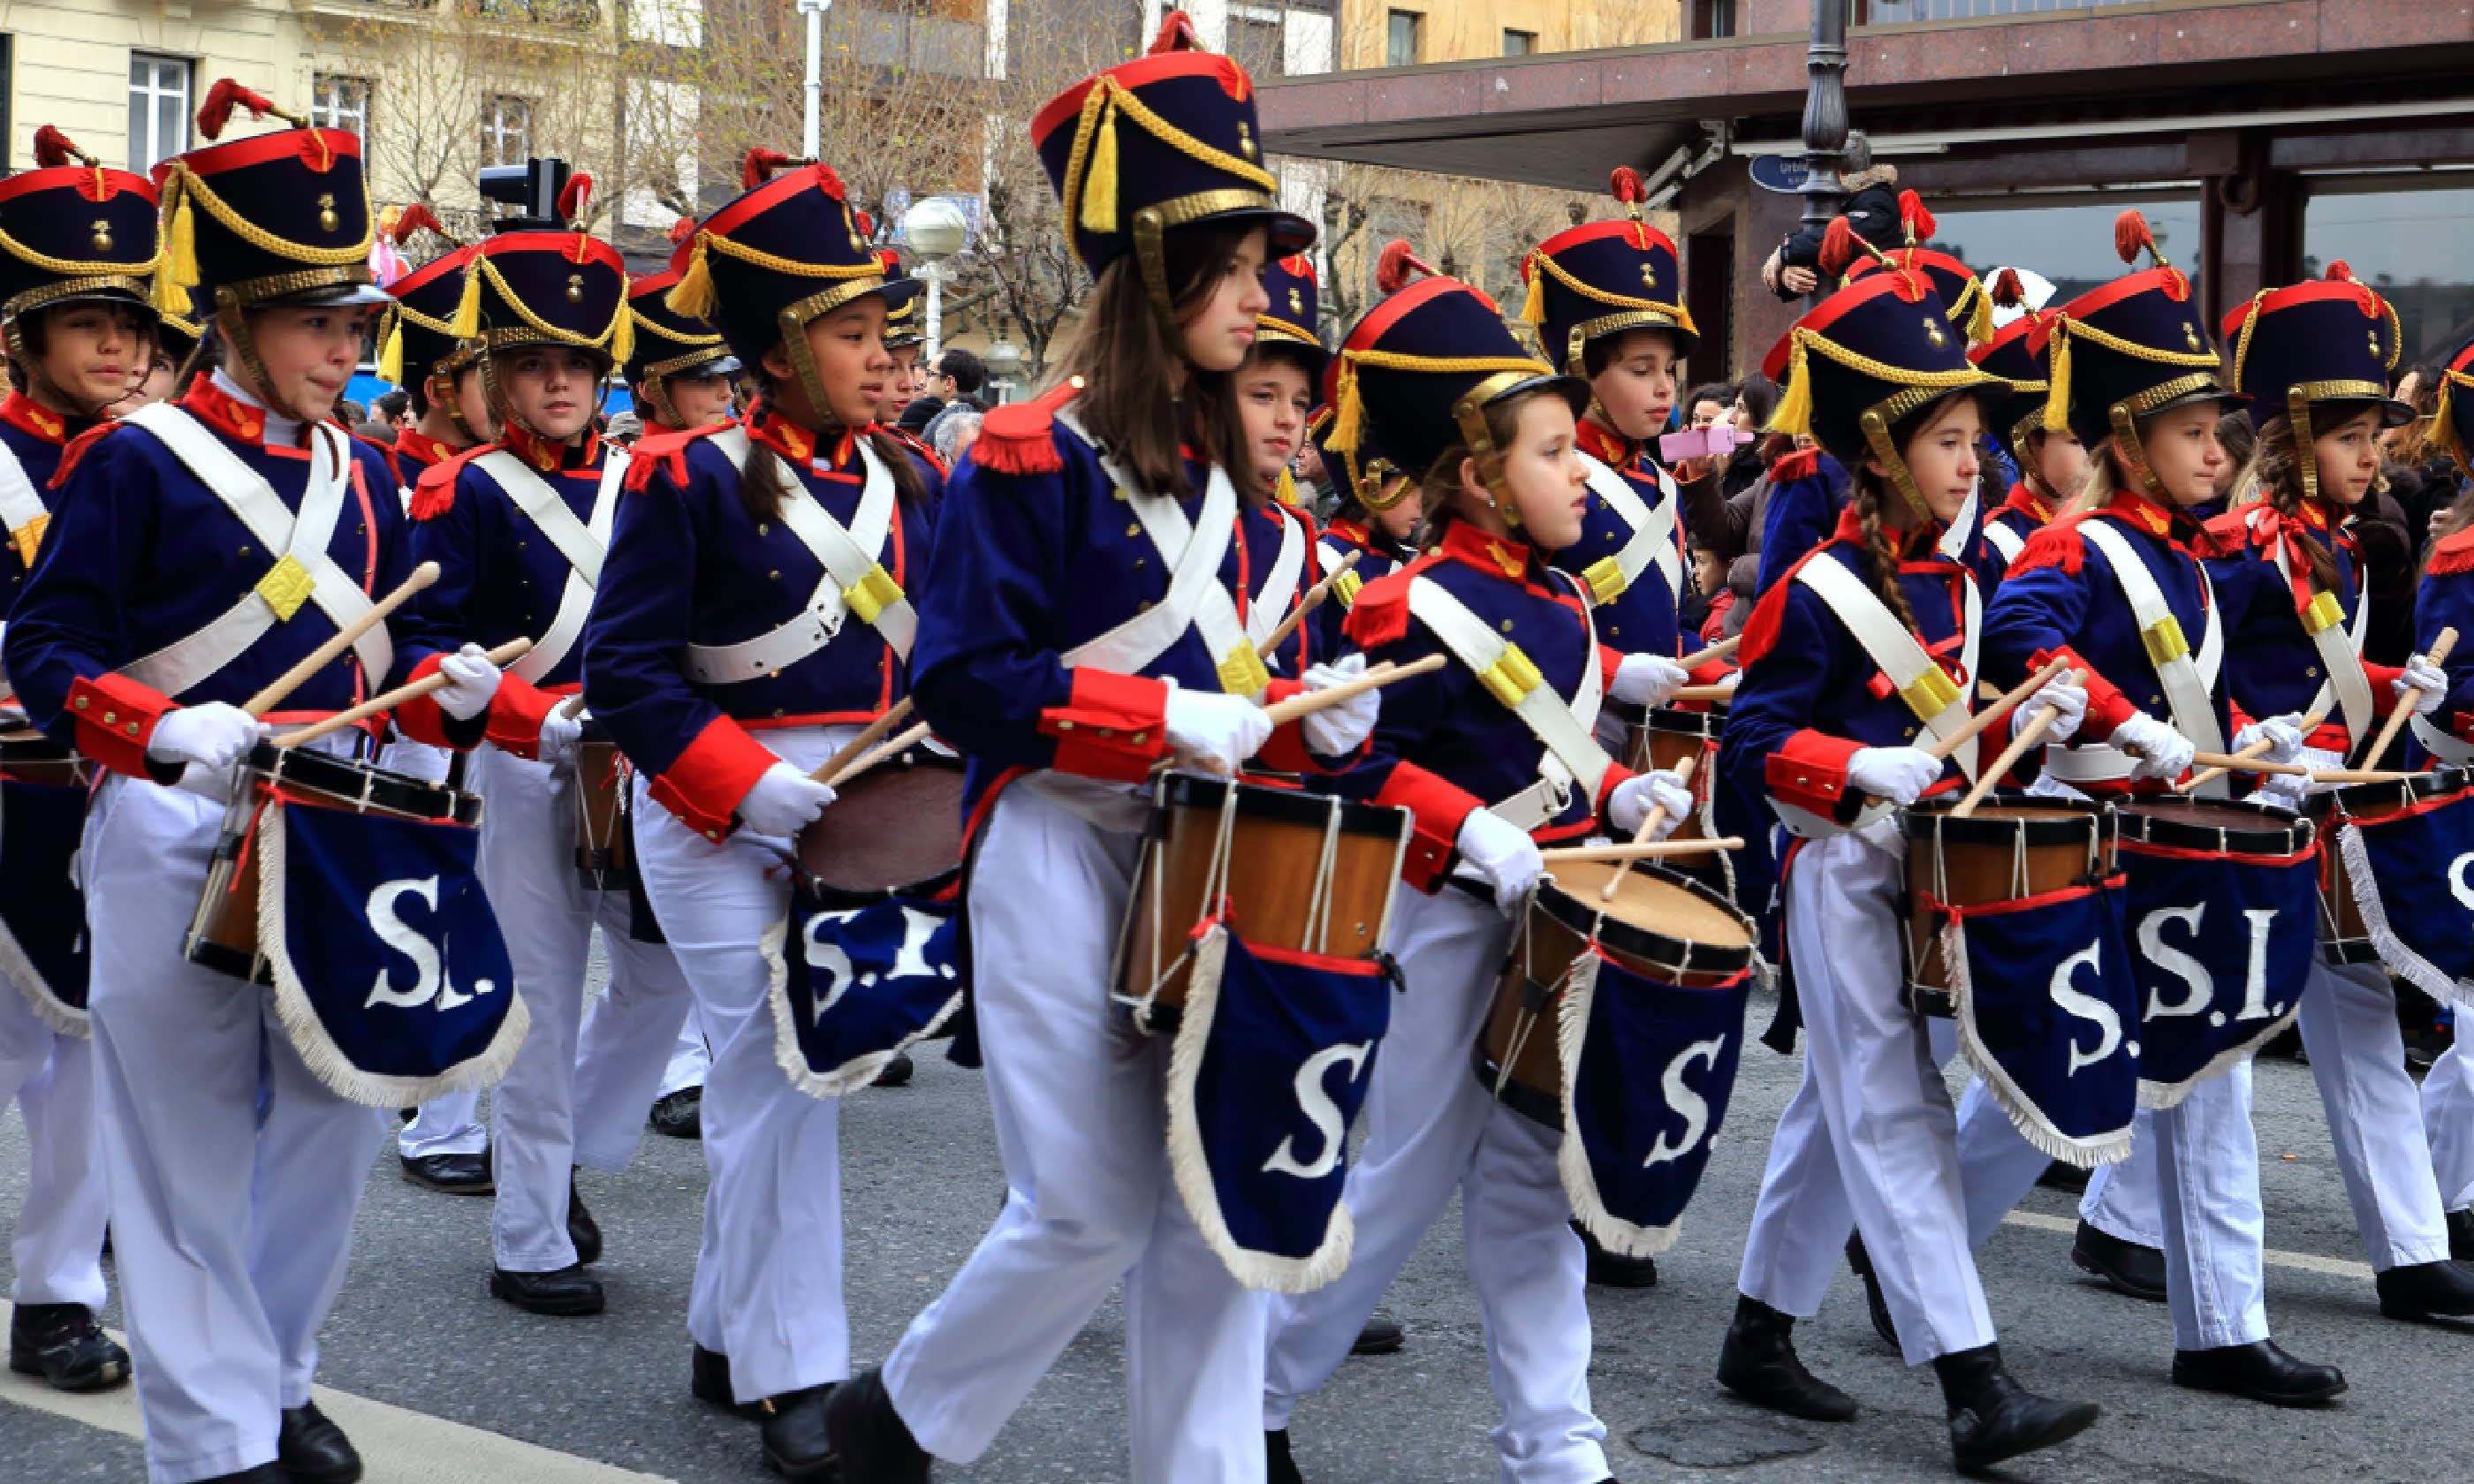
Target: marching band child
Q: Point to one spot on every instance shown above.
(1489, 776)
(1276, 387)
(2448, 601)
(1055, 651)
(1376, 517)
(1855, 651)
(235, 1171)
(2052, 460)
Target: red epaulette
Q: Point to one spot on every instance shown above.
(2452, 555)
(1020, 437)
(1803, 463)
(2058, 544)
(655, 450)
(435, 494)
(916, 445)
(76, 450)
(1380, 614)
(2232, 530)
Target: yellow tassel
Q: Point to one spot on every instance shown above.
(179, 268)
(2057, 397)
(1099, 179)
(1979, 322)
(623, 329)
(1286, 492)
(391, 357)
(1794, 413)
(1534, 308)
(693, 296)
(466, 322)
(1345, 423)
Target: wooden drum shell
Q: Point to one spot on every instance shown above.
(1978, 861)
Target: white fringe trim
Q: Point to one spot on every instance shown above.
(859, 1071)
(1267, 1272)
(2025, 1116)
(63, 1018)
(2161, 1096)
(1613, 1232)
(2397, 958)
(318, 1050)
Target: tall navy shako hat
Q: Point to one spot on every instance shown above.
(2020, 353)
(2134, 348)
(1605, 278)
(2333, 340)
(906, 316)
(1870, 355)
(1361, 474)
(1166, 140)
(70, 230)
(417, 338)
(1420, 369)
(1961, 292)
(548, 288)
(669, 343)
(2452, 422)
(278, 218)
(787, 251)
(1290, 321)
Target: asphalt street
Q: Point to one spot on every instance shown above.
(417, 1332)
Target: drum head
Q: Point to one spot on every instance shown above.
(897, 824)
(1666, 923)
(2215, 825)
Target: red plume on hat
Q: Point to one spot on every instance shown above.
(414, 218)
(54, 149)
(224, 97)
(1626, 185)
(1392, 269)
(1919, 223)
(2007, 291)
(683, 229)
(1839, 247)
(2341, 271)
(2131, 234)
(1176, 34)
(758, 166)
(574, 196)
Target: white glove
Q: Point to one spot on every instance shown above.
(559, 733)
(1633, 800)
(2283, 736)
(783, 801)
(1898, 774)
(1218, 732)
(2285, 790)
(2163, 753)
(2059, 692)
(1648, 680)
(2420, 674)
(214, 736)
(1336, 731)
(472, 680)
(1504, 855)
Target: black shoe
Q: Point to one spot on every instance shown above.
(1874, 1304)
(1381, 1336)
(2260, 1370)
(2460, 1235)
(64, 1345)
(793, 1428)
(456, 1174)
(2425, 1289)
(680, 1114)
(562, 1292)
(870, 1436)
(1993, 1417)
(709, 1383)
(897, 1073)
(313, 1450)
(2126, 1267)
(2062, 1175)
(1611, 1270)
(1759, 1363)
(1279, 1468)
(583, 1232)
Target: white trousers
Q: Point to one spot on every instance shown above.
(546, 917)
(633, 1049)
(57, 1242)
(447, 1124)
(768, 1281)
(1870, 1134)
(1431, 1129)
(233, 1172)
(1081, 1125)
(2448, 1118)
(2349, 1027)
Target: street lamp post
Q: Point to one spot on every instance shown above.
(1003, 360)
(1825, 115)
(935, 229)
(809, 139)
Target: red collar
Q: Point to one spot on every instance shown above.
(27, 416)
(1352, 532)
(1606, 446)
(2028, 502)
(545, 455)
(1508, 559)
(225, 412)
(797, 444)
(428, 449)
(1904, 542)
(2141, 513)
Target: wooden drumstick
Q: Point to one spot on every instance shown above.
(2028, 736)
(1719, 692)
(1718, 651)
(345, 638)
(1943, 747)
(387, 700)
(1641, 850)
(874, 755)
(2342, 776)
(2235, 762)
(2445, 641)
(572, 706)
(868, 736)
(1648, 825)
(1313, 600)
(1310, 702)
(2258, 749)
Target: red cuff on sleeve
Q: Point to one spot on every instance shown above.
(1286, 751)
(1112, 726)
(1616, 773)
(2384, 680)
(704, 783)
(516, 716)
(1810, 771)
(1713, 672)
(2107, 707)
(1438, 809)
(115, 720)
(1609, 660)
(420, 718)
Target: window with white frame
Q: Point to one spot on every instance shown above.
(506, 130)
(338, 102)
(158, 108)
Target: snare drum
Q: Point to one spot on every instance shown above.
(894, 830)
(2001, 851)
(1662, 925)
(605, 846)
(1295, 870)
(1666, 737)
(31, 757)
(2425, 896)
(223, 935)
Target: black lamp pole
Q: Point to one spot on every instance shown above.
(1825, 115)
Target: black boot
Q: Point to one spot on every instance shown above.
(2126, 1267)
(2260, 1370)
(2425, 1289)
(873, 1442)
(793, 1428)
(1381, 1336)
(582, 1231)
(709, 1383)
(897, 1071)
(1993, 1417)
(562, 1292)
(1611, 1270)
(2460, 1235)
(1279, 1468)
(1759, 1363)
(456, 1173)
(310, 1449)
(1874, 1304)
(680, 1114)
(64, 1345)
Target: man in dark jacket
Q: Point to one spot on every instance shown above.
(1794, 268)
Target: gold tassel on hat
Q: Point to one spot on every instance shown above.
(178, 268)
(1979, 321)
(466, 322)
(1794, 413)
(623, 329)
(391, 356)
(693, 296)
(1346, 420)
(2057, 396)
(1100, 178)
(1534, 308)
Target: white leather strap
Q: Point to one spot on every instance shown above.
(302, 538)
(582, 544)
(21, 508)
(2452, 750)
(1572, 755)
(1653, 535)
(852, 573)
(2003, 539)
(2189, 680)
(1960, 533)
(1281, 584)
(1896, 652)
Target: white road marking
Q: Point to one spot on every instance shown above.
(2308, 1262)
(400, 1446)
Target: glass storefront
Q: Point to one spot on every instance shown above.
(2409, 245)
(2071, 244)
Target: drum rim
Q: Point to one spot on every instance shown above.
(1282, 805)
(1929, 819)
(917, 755)
(1700, 956)
(2412, 788)
(1708, 724)
(398, 793)
(2284, 833)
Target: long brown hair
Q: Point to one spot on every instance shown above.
(767, 480)
(1127, 359)
(2276, 468)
